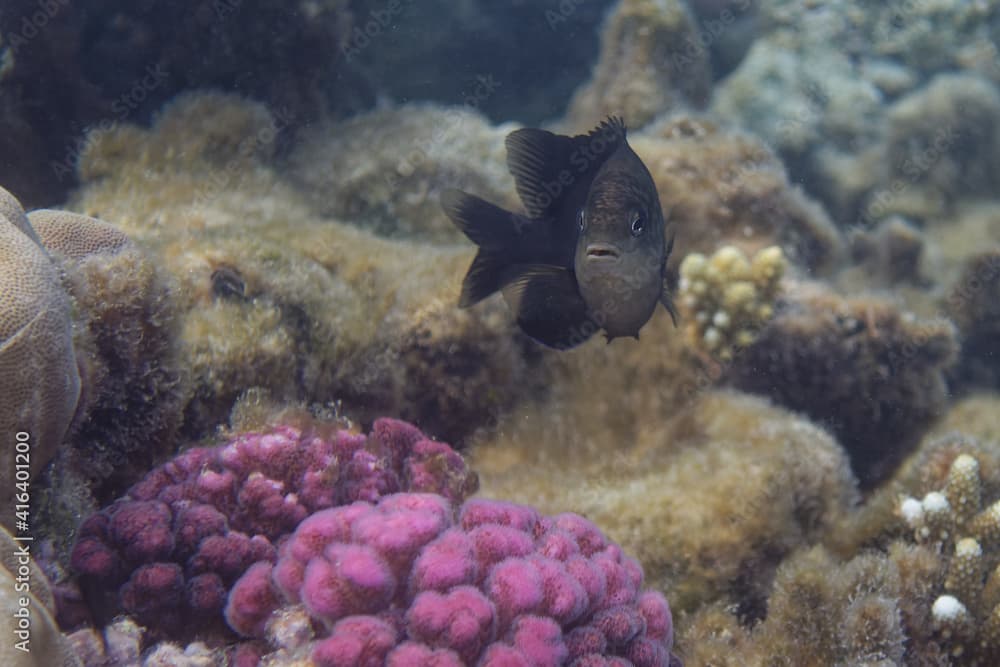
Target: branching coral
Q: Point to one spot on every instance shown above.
(957, 521)
(727, 299)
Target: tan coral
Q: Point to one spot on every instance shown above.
(726, 299)
(10, 208)
(76, 236)
(37, 359)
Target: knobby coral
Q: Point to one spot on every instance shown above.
(413, 579)
(169, 550)
(728, 298)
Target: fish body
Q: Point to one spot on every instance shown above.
(590, 252)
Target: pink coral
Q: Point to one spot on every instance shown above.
(211, 513)
(412, 579)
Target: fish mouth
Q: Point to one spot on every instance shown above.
(602, 252)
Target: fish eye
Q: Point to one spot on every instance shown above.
(637, 224)
(581, 219)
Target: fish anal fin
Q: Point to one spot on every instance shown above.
(546, 301)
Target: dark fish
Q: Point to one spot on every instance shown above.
(591, 251)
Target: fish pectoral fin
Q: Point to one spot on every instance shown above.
(669, 305)
(546, 301)
(487, 225)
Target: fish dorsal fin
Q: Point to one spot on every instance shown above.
(546, 301)
(545, 166)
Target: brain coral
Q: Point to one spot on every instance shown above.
(414, 579)
(37, 360)
(168, 551)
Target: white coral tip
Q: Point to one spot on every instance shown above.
(912, 512)
(947, 609)
(935, 502)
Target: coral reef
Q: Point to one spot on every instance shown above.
(660, 491)
(412, 577)
(37, 359)
(727, 298)
(823, 86)
(169, 550)
(33, 638)
(385, 170)
(651, 62)
(723, 187)
(271, 296)
(874, 374)
(940, 145)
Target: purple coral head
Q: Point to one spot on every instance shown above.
(211, 513)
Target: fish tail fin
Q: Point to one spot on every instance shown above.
(487, 225)
(488, 273)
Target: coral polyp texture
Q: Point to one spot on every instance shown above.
(415, 579)
(38, 364)
(728, 298)
(169, 550)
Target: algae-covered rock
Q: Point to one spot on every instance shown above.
(725, 187)
(271, 295)
(652, 61)
(872, 373)
(385, 170)
(709, 499)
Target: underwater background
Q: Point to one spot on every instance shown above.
(243, 420)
